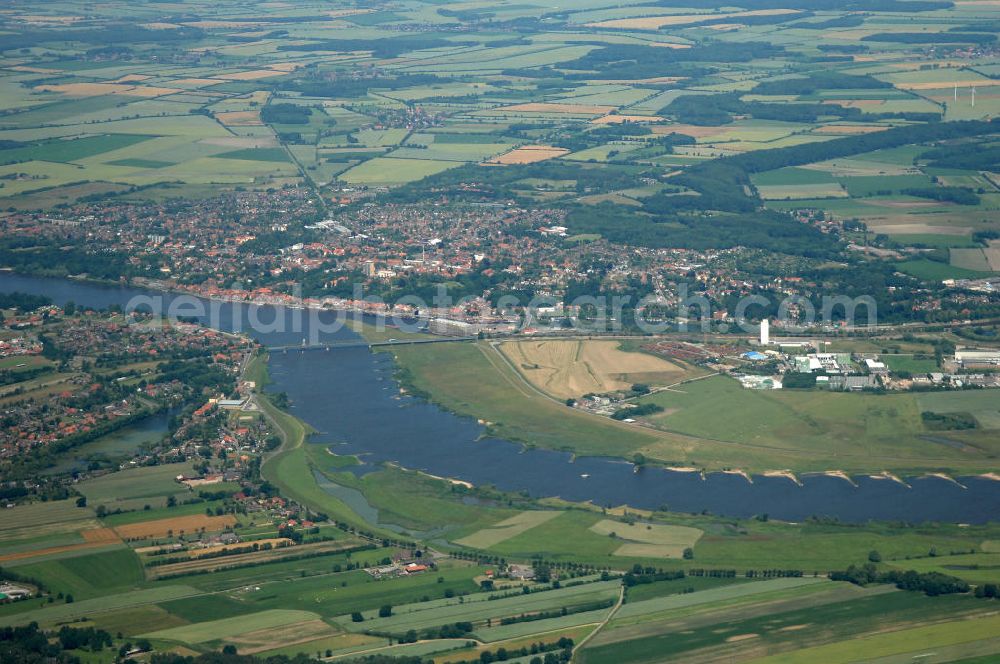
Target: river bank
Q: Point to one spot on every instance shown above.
(355, 407)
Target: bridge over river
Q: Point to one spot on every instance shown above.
(367, 344)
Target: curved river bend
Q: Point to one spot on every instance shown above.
(350, 397)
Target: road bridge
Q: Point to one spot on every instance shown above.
(367, 344)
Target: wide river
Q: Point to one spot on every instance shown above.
(350, 397)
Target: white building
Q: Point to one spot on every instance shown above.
(977, 357)
(765, 332)
(875, 367)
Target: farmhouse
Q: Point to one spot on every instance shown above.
(11, 592)
(521, 572)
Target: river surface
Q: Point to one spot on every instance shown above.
(349, 396)
(117, 445)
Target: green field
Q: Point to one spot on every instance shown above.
(850, 621)
(134, 488)
(801, 430)
(914, 641)
(846, 430)
(504, 530)
(229, 627)
(386, 170)
(934, 271)
(452, 373)
(43, 514)
(118, 601)
(345, 592)
(643, 540)
(440, 612)
(912, 363)
(89, 575)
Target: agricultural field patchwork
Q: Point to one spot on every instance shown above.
(161, 500)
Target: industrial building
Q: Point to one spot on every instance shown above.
(978, 357)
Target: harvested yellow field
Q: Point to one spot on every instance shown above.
(258, 96)
(618, 119)
(34, 70)
(176, 525)
(92, 538)
(83, 89)
(574, 109)
(284, 66)
(504, 530)
(132, 78)
(50, 551)
(940, 85)
(39, 19)
(649, 540)
(908, 225)
(239, 118)
(657, 22)
(100, 536)
(568, 368)
(529, 154)
(250, 643)
(160, 26)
